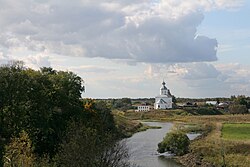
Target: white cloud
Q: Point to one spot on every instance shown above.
(3, 58)
(163, 32)
(229, 4)
(203, 79)
(197, 71)
(37, 61)
(92, 69)
(135, 31)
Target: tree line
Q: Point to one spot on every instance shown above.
(45, 122)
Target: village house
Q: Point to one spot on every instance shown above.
(144, 107)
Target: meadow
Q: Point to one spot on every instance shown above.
(236, 131)
(225, 141)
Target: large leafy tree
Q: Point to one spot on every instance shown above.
(43, 103)
(39, 102)
(14, 84)
(97, 114)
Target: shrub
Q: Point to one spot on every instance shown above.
(174, 142)
(238, 109)
(203, 111)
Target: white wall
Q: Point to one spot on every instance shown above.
(142, 108)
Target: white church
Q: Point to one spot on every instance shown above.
(164, 100)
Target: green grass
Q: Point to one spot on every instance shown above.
(190, 128)
(236, 131)
(159, 115)
(126, 126)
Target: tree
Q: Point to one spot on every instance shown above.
(19, 152)
(174, 142)
(43, 103)
(241, 100)
(123, 104)
(174, 99)
(238, 109)
(97, 114)
(83, 146)
(39, 102)
(14, 85)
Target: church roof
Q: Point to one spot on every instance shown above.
(161, 101)
(163, 96)
(164, 88)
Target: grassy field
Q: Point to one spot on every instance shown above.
(214, 148)
(156, 115)
(170, 114)
(126, 126)
(236, 131)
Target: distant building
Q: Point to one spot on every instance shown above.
(164, 100)
(212, 103)
(143, 108)
(188, 104)
(223, 105)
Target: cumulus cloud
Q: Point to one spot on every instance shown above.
(33, 61)
(92, 69)
(136, 31)
(238, 77)
(203, 79)
(186, 71)
(3, 58)
(37, 61)
(196, 71)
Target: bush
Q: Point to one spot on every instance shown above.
(203, 111)
(175, 142)
(238, 109)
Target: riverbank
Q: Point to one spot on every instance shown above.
(211, 148)
(128, 127)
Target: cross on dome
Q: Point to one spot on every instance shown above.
(164, 86)
(163, 83)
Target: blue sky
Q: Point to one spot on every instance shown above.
(230, 28)
(126, 48)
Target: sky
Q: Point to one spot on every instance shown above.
(200, 48)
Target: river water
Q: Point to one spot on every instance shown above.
(143, 147)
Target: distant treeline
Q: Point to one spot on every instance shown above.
(119, 102)
(45, 122)
(234, 105)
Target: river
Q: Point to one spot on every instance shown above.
(143, 147)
